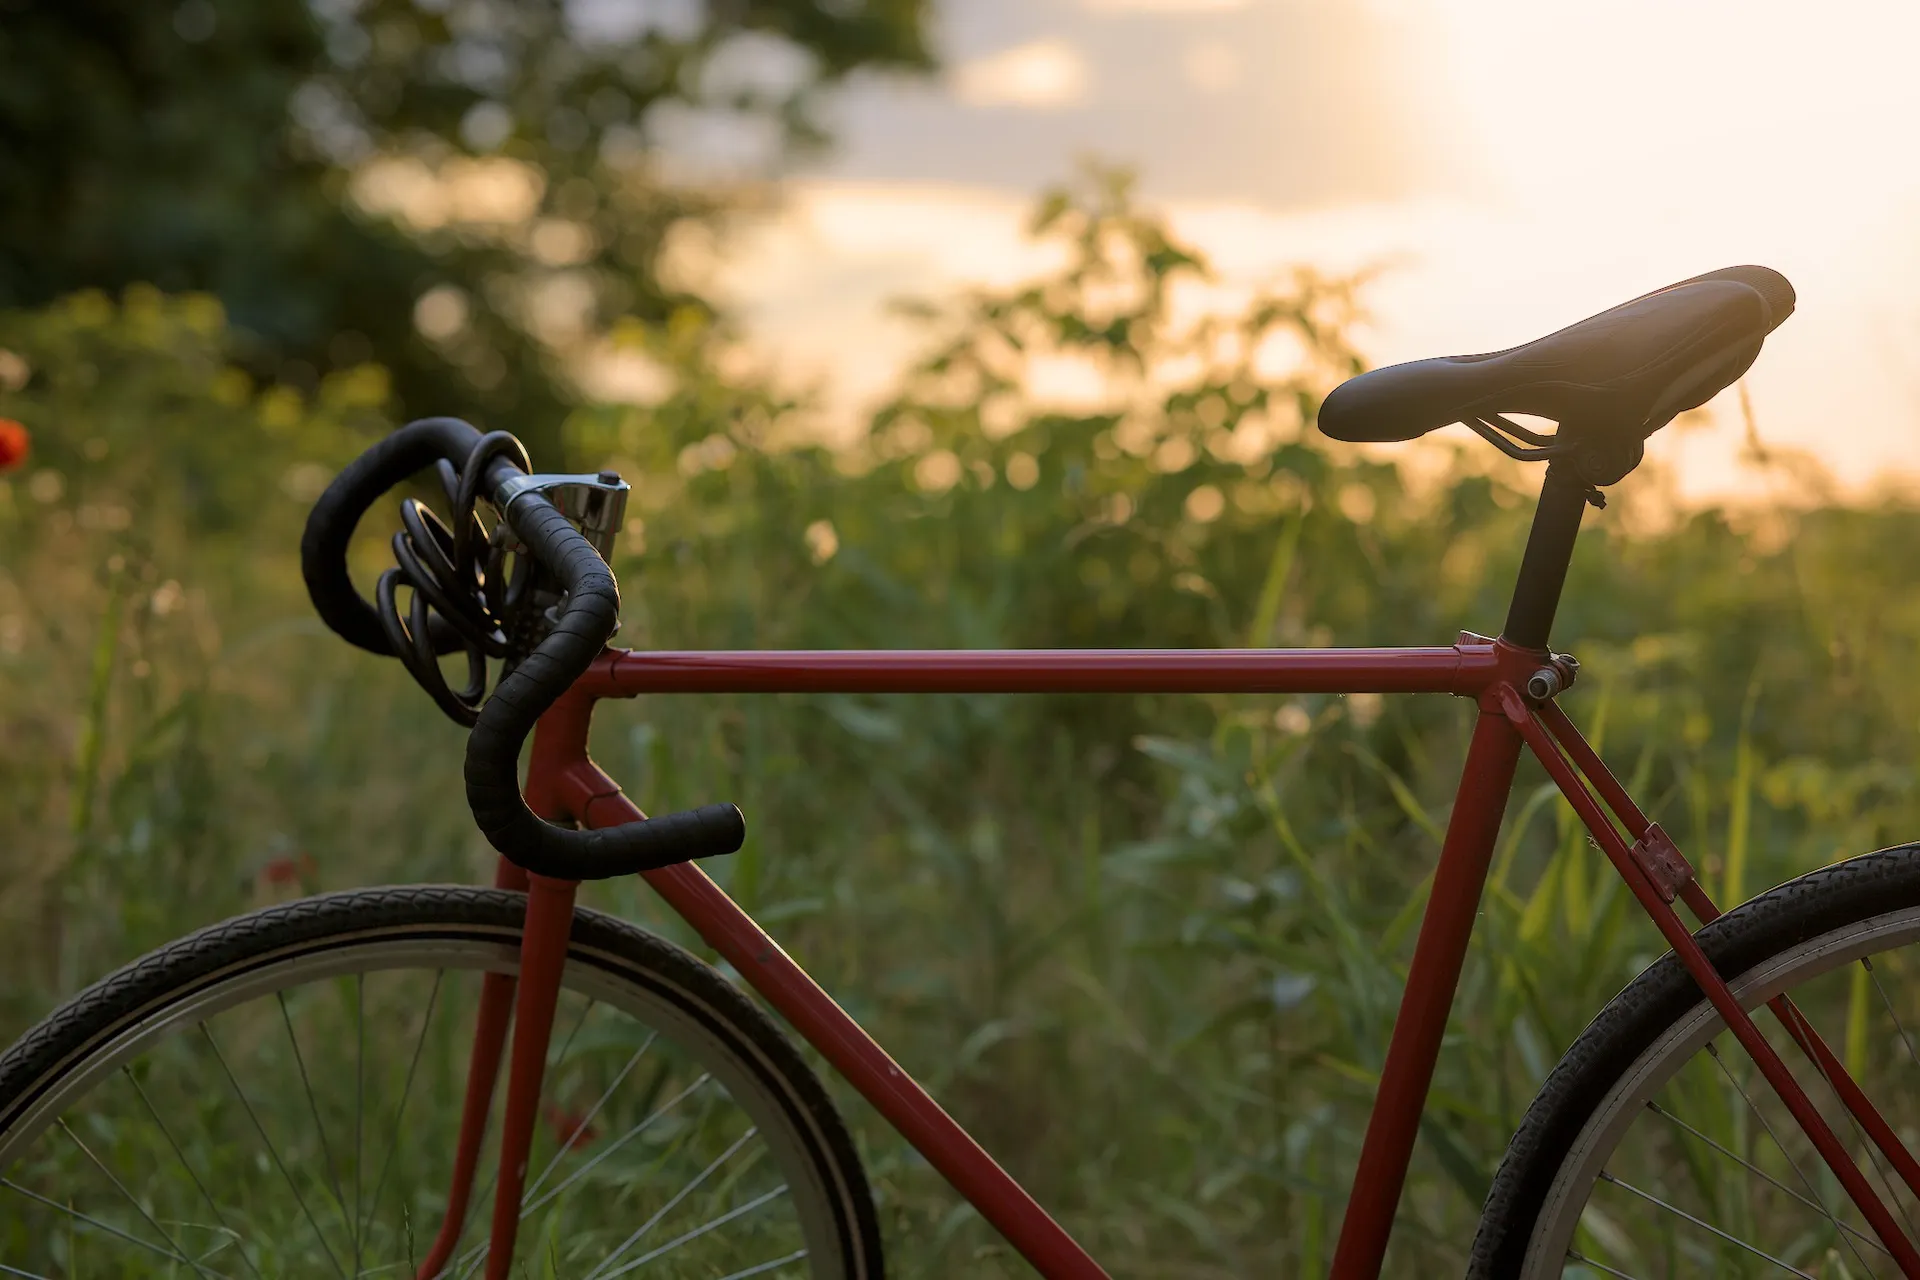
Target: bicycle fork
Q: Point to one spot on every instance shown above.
(527, 1003)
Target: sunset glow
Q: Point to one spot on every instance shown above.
(1515, 166)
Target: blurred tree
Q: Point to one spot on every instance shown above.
(461, 189)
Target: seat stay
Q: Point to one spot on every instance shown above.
(1689, 890)
(1573, 765)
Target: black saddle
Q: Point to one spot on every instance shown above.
(1624, 373)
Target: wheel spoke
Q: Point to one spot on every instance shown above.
(1576, 1256)
(546, 1079)
(272, 1150)
(319, 1127)
(600, 1272)
(1905, 1039)
(406, 1091)
(619, 1142)
(702, 1229)
(1768, 1178)
(796, 1256)
(178, 1253)
(1704, 1225)
(1799, 1172)
(186, 1166)
(579, 1020)
(479, 1253)
(566, 1142)
(1874, 1157)
(493, 1173)
(174, 1254)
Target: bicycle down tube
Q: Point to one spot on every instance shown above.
(563, 782)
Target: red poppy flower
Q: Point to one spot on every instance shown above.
(15, 443)
(290, 868)
(570, 1128)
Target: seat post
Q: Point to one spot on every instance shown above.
(1543, 569)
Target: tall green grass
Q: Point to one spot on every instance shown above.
(1149, 948)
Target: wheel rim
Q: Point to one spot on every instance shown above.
(665, 1145)
(1769, 1156)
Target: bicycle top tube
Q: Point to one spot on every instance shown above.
(1467, 668)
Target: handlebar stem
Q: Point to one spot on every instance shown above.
(597, 503)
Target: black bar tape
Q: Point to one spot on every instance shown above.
(523, 694)
(493, 749)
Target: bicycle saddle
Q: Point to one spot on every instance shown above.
(1628, 370)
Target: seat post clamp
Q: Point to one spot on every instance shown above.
(1555, 678)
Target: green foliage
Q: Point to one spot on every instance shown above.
(1149, 948)
(146, 635)
(209, 146)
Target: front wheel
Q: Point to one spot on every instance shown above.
(1656, 1148)
(279, 1095)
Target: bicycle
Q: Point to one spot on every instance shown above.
(605, 1030)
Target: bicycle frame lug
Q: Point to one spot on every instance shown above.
(1667, 868)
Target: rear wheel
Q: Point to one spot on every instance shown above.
(279, 1096)
(1656, 1148)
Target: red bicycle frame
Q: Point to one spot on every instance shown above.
(1513, 687)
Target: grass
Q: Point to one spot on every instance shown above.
(1148, 949)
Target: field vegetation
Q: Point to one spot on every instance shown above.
(1149, 948)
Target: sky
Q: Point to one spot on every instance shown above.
(1513, 166)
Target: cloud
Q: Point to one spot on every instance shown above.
(1290, 104)
(1041, 74)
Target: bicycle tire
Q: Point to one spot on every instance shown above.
(1814, 927)
(316, 939)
